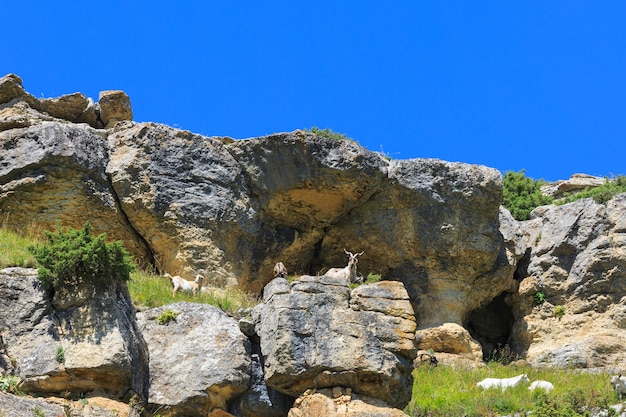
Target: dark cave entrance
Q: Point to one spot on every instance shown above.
(491, 327)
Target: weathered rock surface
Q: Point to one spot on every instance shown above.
(114, 107)
(449, 338)
(315, 334)
(84, 343)
(577, 259)
(20, 406)
(56, 172)
(260, 400)
(198, 361)
(340, 402)
(577, 182)
(230, 210)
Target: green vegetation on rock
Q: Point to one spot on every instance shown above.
(72, 257)
(328, 133)
(520, 194)
(600, 194)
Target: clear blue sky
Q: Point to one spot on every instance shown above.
(534, 85)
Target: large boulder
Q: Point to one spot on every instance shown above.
(53, 172)
(114, 107)
(199, 361)
(340, 402)
(576, 259)
(316, 333)
(186, 196)
(82, 341)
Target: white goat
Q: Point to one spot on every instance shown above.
(539, 384)
(619, 385)
(280, 270)
(181, 284)
(349, 272)
(489, 383)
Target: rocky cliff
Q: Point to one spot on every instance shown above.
(551, 289)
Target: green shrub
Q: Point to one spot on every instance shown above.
(167, 316)
(559, 311)
(73, 257)
(38, 412)
(600, 194)
(520, 194)
(328, 133)
(539, 298)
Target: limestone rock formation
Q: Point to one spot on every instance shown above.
(21, 406)
(55, 171)
(315, 334)
(90, 343)
(229, 210)
(340, 402)
(260, 400)
(576, 258)
(18, 108)
(114, 107)
(577, 182)
(198, 362)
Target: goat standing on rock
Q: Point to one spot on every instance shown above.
(181, 284)
(349, 272)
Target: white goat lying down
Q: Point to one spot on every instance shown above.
(349, 272)
(539, 384)
(489, 383)
(619, 385)
(181, 284)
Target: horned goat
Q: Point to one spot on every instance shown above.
(619, 385)
(280, 270)
(349, 272)
(183, 285)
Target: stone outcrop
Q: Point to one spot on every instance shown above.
(114, 107)
(56, 172)
(74, 342)
(199, 361)
(340, 402)
(577, 182)
(316, 333)
(21, 109)
(576, 258)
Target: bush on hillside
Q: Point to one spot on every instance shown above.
(328, 133)
(600, 194)
(73, 257)
(520, 194)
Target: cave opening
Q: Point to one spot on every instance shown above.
(491, 327)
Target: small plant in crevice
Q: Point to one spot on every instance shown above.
(38, 412)
(559, 311)
(166, 317)
(10, 384)
(60, 355)
(539, 298)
